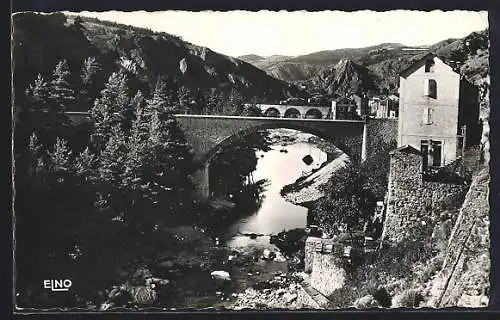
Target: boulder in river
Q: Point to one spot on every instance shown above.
(308, 159)
(268, 254)
(221, 275)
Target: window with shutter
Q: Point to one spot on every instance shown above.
(427, 116)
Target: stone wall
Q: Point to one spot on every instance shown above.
(464, 279)
(308, 297)
(322, 260)
(381, 130)
(327, 275)
(412, 201)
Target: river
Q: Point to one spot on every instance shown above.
(275, 214)
(241, 255)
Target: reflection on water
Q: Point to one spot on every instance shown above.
(275, 214)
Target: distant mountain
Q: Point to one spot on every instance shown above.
(345, 77)
(306, 66)
(382, 63)
(41, 40)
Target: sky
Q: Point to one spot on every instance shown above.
(266, 33)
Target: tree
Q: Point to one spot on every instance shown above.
(235, 104)
(60, 157)
(110, 110)
(215, 103)
(78, 25)
(61, 94)
(35, 154)
(186, 99)
(40, 114)
(347, 202)
(37, 94)
(164, 99)
(112, 157)
(252, 110)
(84, 164)
(90, 70)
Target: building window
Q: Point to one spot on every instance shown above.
(431, 153)
(427, 116)
(430, 88)
(429, 65)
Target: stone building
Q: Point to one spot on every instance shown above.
(344, 108)
(412, 200)
(362, 108)
(438, 120)
(384, 107)
(438, 111)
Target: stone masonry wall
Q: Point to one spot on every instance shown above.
(464, 279)
(411, 200)
(327, 275)
(322, 260)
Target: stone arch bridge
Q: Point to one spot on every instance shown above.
(208, 134)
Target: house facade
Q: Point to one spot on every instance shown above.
(438, 111)
(344, 108)
(384, 107)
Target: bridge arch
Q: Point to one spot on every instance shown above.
(272, 113)
(313, 113)
(292, 113)
(339, 143)
(209, 134)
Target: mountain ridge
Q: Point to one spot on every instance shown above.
(384, 61)
(39, 41)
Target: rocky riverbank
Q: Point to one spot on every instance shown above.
(306, 188)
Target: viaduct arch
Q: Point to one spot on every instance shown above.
(285, 111)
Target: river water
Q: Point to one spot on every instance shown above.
(275, 213)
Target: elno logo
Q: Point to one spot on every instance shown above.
(57, 285)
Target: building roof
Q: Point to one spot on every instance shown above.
(345, 99)
(417, 64)
(406, 149)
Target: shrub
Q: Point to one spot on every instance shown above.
(407, 299)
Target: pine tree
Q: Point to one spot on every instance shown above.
(62, 96)
(199, 103)
(35, 154)
(136, 162)
(235, 103)
(215, 103)
(112, 157)
(90, 69)
(169, 162)
(37, 94)
(84, 164)
(60, 157)
(78, 25)
(110, 109)
(164, 99)
(88, 75)
(186, 99)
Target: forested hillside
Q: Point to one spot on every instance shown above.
(40, 41)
